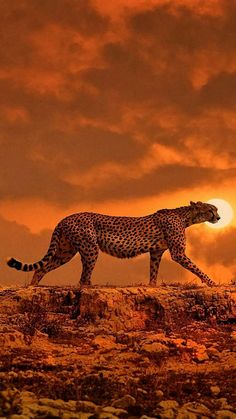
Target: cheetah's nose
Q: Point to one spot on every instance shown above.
(218, 218)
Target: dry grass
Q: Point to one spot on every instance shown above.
(35, 317)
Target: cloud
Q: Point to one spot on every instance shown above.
(166, 178)
(20, 242)
(216, 248)
(220, 91)
(110, 102)
(120, 8)
(88, 113)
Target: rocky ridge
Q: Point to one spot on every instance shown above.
(133, 352)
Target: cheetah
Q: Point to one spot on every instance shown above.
(122, 237)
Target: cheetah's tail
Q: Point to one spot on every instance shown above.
(13, 263)
(27, 267)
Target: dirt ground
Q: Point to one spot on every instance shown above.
(134, 352)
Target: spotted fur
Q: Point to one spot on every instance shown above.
(123, 237)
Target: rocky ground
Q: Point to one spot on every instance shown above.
(134, 352)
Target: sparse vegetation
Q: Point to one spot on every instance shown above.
(35, 317)
(181, 285)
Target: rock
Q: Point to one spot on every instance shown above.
(169, 404)
(185, 414)
(121, 413)
(145, 362)
(30, 409)
(142, 391)
(213, 353)
(215, 390)
(158, 337)
(178, 342)
(167, 414)
(37, 409)
(147, 417)
(105, 415)
(199, 351)
(44, 411)
(225, 414)
(87, 406)
(12, 339)
(224, 405)
(126, 304)
(159, 394)
(124, 402)
(107, 343)
(155, 348)
(40, 335)
(197, 408)
(28, 397)
(198, 312)
(222, 401)
(10, 400)
(60, 404)
(79, 415)
(201, 355)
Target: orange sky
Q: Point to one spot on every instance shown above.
(121, 107)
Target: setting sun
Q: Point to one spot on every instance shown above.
(225, 211)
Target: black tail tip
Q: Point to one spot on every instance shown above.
(13, 263)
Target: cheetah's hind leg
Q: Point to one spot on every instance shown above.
(88, 259)
(63, 255)
(38, 275)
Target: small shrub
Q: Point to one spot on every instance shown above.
(36, 318)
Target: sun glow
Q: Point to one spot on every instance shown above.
(225, 212)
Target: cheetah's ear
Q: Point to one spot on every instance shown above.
(199, 204)
(196, 204)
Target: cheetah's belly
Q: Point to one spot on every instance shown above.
(128, 245)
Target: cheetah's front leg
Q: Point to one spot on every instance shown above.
(175, 238)
(179, 256)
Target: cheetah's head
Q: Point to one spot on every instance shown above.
(204, 212)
